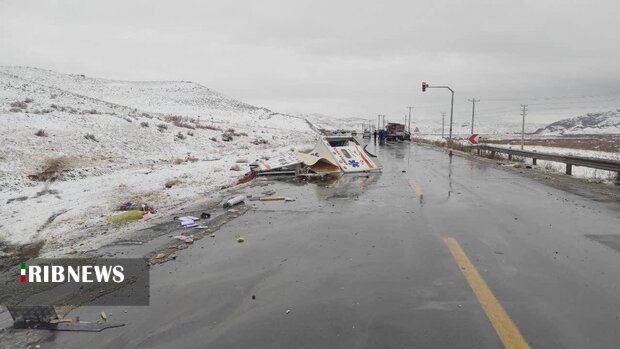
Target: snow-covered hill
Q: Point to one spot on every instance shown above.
(330, 123)
(110, 142)
(591, 123)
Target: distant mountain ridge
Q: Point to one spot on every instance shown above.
(592, 123)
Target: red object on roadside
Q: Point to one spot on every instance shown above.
(473, 138)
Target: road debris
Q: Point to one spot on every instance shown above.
(234, 201)
(126, 216)
(246, 177)
(127, 242)
(188, 222)
(240, 240)
(104, 316)
(185, 237)
(272, 198)
(281, 164)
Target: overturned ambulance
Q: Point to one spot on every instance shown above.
(331, 155)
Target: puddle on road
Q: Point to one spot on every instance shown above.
(609, 240)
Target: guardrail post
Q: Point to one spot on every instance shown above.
(533, 161)
(618, 178)
(509, 156)
(492, 155)
(478, 151)
(569, 169)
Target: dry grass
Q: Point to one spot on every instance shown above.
(19, 105)
(91, 137)
(172, 182)
(162, 127)
(52, 168)
(208, 127)
(181, 121)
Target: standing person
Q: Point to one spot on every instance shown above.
(382, 137)
(374, 133)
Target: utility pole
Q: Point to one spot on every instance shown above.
(378, 122)
(523, 113)
(425, 86)
(473, 108)
(409, 126)
(443, 122)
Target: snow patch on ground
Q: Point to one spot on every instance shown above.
(120, 141)
(577, 171)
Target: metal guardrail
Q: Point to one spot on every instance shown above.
(569, 160)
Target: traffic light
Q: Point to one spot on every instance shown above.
(424, 86)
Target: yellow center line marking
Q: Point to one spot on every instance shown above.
(416, 187)
(507, 331)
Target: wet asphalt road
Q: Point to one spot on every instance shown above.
(362, 263)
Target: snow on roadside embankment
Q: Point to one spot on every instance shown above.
(549, 166)
(577, 171)
(92, 154)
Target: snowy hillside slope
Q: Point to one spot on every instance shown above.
(330, 123)
(104, 153)
(179, 98)
(591, 123)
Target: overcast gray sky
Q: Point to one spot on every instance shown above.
(344, 58)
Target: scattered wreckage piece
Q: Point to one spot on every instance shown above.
(331, 155)
(126, 216)
(282, 163)
(320, 159)
(234, 201)
(272, 198)
(350, 156)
